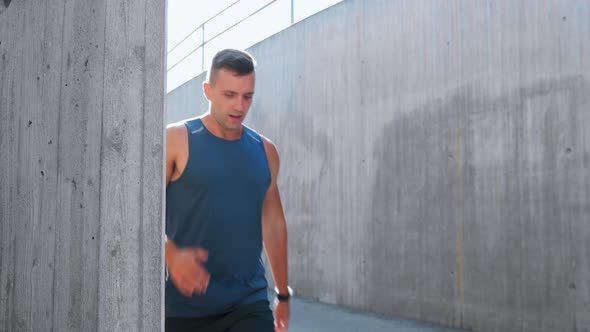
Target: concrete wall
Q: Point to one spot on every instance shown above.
(81, 146)
(435, 158)
(186, 101)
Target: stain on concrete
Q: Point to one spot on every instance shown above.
(115, 140)
(480, 185)
(4, 5)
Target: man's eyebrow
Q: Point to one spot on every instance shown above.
(234, 92)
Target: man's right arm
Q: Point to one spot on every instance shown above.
(184, 264)
(173, 135)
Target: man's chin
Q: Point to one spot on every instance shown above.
(233, 126)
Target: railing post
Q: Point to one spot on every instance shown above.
(203, 50)
(292, 12)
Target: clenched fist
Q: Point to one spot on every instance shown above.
(186, 269)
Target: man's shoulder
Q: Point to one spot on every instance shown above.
(257, 135)
(176, 133)
(269, 147)
(175, 128)
(182, 124)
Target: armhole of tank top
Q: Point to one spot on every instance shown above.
(188, 149)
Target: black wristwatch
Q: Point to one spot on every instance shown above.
(284, 297)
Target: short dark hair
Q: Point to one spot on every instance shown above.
(240, 62)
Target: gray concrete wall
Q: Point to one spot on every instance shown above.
(186, 101)
(81, 146)
(435, 158)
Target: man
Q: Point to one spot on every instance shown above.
(222, 204)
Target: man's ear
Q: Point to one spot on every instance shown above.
(207, 90)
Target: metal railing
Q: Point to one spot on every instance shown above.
(204, 41)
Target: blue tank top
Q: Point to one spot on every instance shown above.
(216, 204)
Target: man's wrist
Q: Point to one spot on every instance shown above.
(283, 296)
(170, 251)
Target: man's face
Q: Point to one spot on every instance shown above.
(230, 96)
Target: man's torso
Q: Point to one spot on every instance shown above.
(216, 204)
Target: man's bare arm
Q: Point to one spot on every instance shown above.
(176, 138)
(274, 234)
(274, 226)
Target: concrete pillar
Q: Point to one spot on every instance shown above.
(81, 166)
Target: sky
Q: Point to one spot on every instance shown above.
(186, 16)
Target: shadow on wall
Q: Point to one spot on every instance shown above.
(439, 163)
(4, 5)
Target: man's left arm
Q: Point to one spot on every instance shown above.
(274, 234)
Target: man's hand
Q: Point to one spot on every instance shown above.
(281, 316)
(185, 267)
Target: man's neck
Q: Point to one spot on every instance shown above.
(217, 129)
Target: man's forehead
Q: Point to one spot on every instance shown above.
(229, 73)
(233, 82)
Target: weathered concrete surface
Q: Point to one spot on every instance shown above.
(81, 146)
(435, 158)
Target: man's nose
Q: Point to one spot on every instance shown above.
(240, 105)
